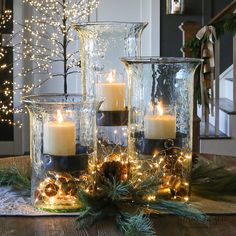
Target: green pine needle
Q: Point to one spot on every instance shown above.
(115, 190)
(213, 182)
(114, 196)
(145, 187)
(178, 208)
(16, 179)
(87, 200)
(225, 26)
(95, 208)
(135, 225)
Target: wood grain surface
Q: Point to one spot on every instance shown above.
(219, 225)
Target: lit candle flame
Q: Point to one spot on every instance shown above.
(151, 107)
(156, 108)
(59, 116)
(110, 77)
(160, 109)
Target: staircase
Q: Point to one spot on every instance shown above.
(218, 134)
(224, 143)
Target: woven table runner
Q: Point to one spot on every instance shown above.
(13, 204)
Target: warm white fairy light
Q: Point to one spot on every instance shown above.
(169, 181)
(44, 41)
(6, 102)
(59, 191)
(151, 198)
(5, 18)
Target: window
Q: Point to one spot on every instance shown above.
(6, 63)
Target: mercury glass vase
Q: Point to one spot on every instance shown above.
(62, 149)
(104, 76)
(160, 123)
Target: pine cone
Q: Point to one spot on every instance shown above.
(113, 170)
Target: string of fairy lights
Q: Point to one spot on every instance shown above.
(5, 18)
(169, 166)
(43, 42)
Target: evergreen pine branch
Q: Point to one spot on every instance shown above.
(115, 190)
(225, 26)
(194, 45)
(177, 208)
(110, 201)
(95, 208)
(92, 201)
(145, 187)
(16, 179)
(135, 225)
(213, 182)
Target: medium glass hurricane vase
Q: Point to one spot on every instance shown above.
(104, 76)
(62, 149)
(160, 123)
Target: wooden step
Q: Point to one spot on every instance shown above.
(227, 106)
(230, 79)
(212, 134)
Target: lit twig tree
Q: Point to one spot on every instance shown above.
(51, 37)
(45, 42)
(6, 93)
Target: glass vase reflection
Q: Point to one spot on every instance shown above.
(104, 76)
(63, 149)
(160, 123)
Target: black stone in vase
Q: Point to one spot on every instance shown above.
(151, 146)
(112, 118)
(75, 163)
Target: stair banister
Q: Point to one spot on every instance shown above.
(228, 9)
(217, 87)
(234, 71)
(189, 30)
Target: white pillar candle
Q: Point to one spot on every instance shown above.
(113, 94)
(60, 137)
(159, 126)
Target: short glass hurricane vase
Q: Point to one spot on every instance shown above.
(160, 123)
(62, 149)
(103, 76)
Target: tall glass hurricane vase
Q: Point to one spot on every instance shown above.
(102, 44)
(104, 76)
(63, 149)
(160, 123)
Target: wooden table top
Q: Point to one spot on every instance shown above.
(165, 225)
(222, 221)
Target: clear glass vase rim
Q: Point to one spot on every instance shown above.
(161, 60)
(105, 23)
(32, 99)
